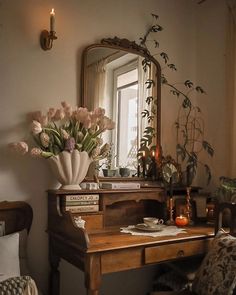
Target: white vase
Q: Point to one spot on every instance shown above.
(70, 169)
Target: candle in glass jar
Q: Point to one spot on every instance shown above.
(181, 220)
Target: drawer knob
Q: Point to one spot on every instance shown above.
(180, 253)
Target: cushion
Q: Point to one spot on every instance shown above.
(18, 286)
(9, 256)
(217, 273)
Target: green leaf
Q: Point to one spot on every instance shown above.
(155, 16)
(146, 63)
(149, 129)
(208, 148)
(208, 173)
(150, 83)
(149, 99)
(156, 43)
(198, 109)
(164, 56)
(172, 67)
(180, 150)
(175, 92)
(145, 113)
(177, 125)
(199, 89)
(186, 103)
(150, 119)
(193, 157)
(163, 79)
(156, 28)
(188, 83)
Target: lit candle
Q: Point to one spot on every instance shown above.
(52, 20)
(153, 167)
(181, 220)
(144, 163)
(153, 154)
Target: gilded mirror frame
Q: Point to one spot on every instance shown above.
(130, 47)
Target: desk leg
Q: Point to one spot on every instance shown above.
(54, 280)
(92, 273)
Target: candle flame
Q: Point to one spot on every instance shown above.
(52, 11)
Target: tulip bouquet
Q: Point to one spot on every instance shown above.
(65, 129)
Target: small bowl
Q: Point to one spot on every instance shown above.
(124, 172)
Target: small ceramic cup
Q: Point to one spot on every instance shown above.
(152, 221)
(124, 172)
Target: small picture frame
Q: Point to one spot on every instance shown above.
(2, 228)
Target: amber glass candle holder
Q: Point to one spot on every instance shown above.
(181, 220)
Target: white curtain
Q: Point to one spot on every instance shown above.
(96, 82)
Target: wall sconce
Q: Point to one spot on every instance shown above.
(46, 37)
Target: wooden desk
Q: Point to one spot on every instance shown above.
(102, 248)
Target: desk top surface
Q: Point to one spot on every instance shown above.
(112, 239)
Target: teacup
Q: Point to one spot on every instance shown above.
(152, 221)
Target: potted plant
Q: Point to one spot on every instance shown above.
(69, 139)
(124, 171)
(226, 193)
(109, 170)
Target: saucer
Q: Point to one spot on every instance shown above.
(144, 227)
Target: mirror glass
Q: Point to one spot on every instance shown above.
(120, 81)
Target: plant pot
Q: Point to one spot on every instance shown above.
(124, 172)
(70, 169)
(109, 172)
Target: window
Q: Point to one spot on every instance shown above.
(126, 114)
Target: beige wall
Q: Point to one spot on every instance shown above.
(32, 79)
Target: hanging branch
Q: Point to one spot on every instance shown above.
(191, 129)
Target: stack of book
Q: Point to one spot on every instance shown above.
(81, 203)
(120, 185)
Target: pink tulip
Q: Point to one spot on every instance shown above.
(36, 152)
(59, 115)
(51, 113)
(19, 147)
(36, 127)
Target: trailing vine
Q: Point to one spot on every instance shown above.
(189, 123)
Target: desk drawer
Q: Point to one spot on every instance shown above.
(178, 250)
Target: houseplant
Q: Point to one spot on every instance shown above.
(225, 193)
(69, 139)
(189, 123)
(108, 165)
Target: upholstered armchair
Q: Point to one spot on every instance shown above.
(217, 272)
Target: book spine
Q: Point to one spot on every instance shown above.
(81, 198)
(79, 203)
(78, 209)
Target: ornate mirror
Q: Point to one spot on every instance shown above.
(124, 79)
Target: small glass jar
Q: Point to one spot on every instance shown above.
(181, 220)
